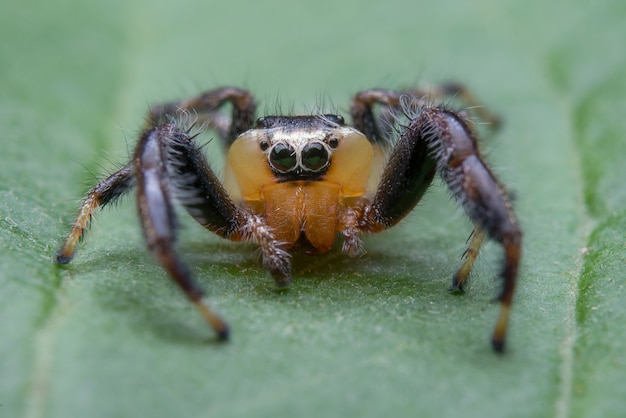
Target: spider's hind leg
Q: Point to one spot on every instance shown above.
(206, 107)
(378, 125)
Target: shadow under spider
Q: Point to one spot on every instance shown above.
(131, 282)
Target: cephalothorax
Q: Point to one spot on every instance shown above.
(296, 182)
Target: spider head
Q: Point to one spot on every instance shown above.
(284, 149)
(299, 147)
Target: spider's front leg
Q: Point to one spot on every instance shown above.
(440, 140)
(204, 197)
(167, 163)
(454, 147)
(206, 106)
(156, 213)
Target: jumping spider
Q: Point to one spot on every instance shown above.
(294, 182)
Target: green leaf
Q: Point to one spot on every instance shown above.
(109, 335)
(599, 352)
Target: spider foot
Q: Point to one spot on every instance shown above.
(499, 334)
(64, 256)
(215, 321)
(278, 263)
(353, 246)
(457, 286)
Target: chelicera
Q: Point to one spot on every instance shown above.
(293, 183)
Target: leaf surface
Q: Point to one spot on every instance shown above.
(109, 335)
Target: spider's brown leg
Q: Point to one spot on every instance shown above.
(465, 96)
(442, 140)
(484, 199)
(206, 106)
(471, 253)
(106, 192)
(365, 120)
(205, 199)
(362, 110)
(157, 216)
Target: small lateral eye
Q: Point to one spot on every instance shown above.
(283, 157)
(314, 156)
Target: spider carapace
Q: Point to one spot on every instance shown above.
(296, 182)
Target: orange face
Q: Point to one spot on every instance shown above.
(301, 177)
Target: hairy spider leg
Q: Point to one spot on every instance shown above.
(440, 140)
(105, 192)
(167, 162)
(365, 120)
(467, 97)
(117, 184)
(205, 107)
(158, 220)
(475, 240)
(201, 193)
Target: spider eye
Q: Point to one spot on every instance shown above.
(283, 157)
(314, 156)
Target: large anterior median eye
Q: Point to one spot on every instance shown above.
(314, 156)
(283, 157)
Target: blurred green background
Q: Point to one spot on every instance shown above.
(110, 336)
